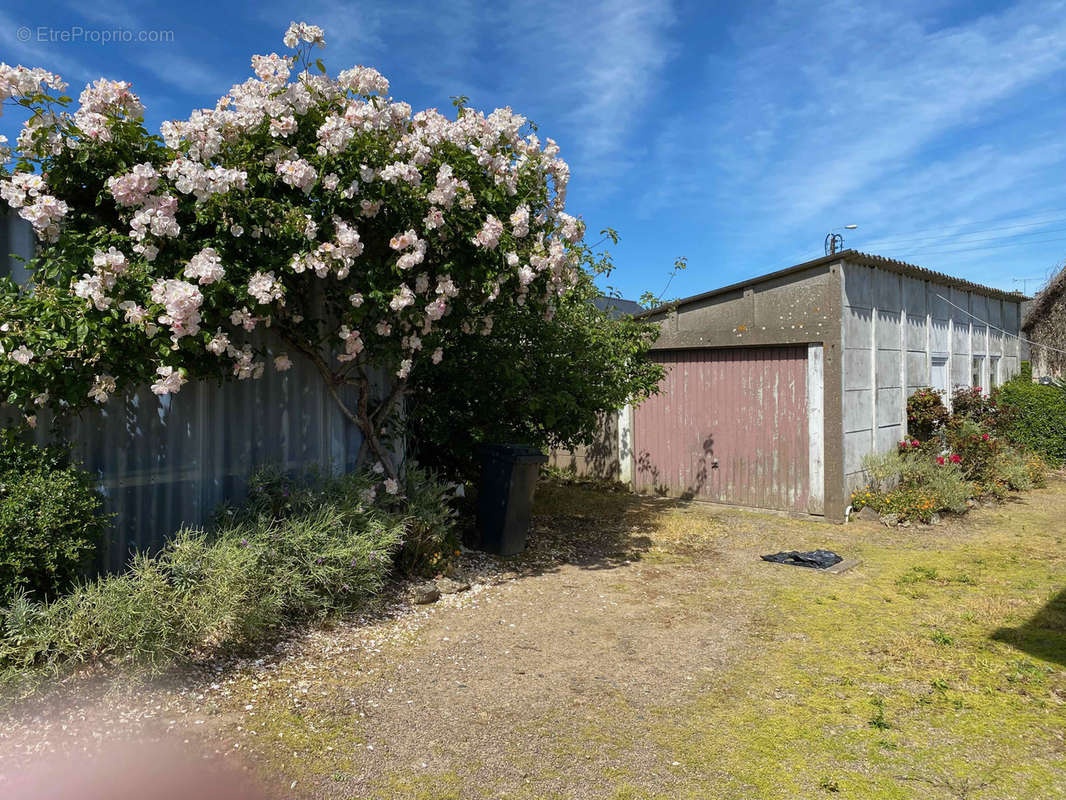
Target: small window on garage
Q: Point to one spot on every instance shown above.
(993, 372)
(977, 379)
(938, 374)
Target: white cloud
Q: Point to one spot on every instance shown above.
(895, 116)
(589, 68)
(823, 110)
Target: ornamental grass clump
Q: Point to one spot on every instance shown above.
(296, 551)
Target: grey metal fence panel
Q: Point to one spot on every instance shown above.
(164, 462)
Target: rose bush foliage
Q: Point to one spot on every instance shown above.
(302, 214)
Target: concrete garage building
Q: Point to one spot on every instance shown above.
(777, 387)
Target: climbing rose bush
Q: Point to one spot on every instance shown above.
(303, 213)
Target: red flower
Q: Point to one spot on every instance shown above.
(955, 458)
(984, 436)
(914, 443)
(977, 390)
(940, 460)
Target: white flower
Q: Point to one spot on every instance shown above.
(391, 486)
(404, 298)
(297, 173)
(205, 266)
(378, 468)
(181, 301)
(302, 32)
(103, 386)
(489, 235)
(265, 288)
(219, 343)
(282, 363)
(170, 381)
(22, 354)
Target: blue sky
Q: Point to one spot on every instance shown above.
(736, 135)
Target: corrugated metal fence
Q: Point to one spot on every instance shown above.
(169, 461)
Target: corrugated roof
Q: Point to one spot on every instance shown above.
(854, 257)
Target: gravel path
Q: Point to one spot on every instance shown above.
(541, 680)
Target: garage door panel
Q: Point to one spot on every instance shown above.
(728, 426)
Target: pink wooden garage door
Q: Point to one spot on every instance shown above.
(730, 426)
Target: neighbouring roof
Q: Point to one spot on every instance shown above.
(1045, 299)
(854, 257)
(616, 306)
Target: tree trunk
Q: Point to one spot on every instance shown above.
(368, 421)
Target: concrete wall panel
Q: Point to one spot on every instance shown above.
(888, 331)
(889, 407)
(889, 371)
(889, 437)
(858, 368)
(859, 290)
(858, 330)
(917, 371)
(858, 405)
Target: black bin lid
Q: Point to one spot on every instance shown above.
(514, 453)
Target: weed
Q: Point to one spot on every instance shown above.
(829, 785)
(878, 721)
(940, 638)
(917, 575)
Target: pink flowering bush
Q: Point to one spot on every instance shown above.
(302, 214)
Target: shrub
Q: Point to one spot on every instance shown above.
(1037, 419)
(977, 448)
(51, 518)
(912, 485)
(1037, 470)
(430, 537)
(926, 413)
(1013, 471)
(424, 506)
(945, 483)
(294, 550)
(972, 404)
(910, 503)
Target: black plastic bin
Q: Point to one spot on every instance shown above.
(505, 497)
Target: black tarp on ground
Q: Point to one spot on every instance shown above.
(815, 559)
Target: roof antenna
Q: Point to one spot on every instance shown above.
(834, 241)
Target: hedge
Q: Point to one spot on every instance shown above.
(1036, 418)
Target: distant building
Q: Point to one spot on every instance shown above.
(1045, 325)
(617, 307)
